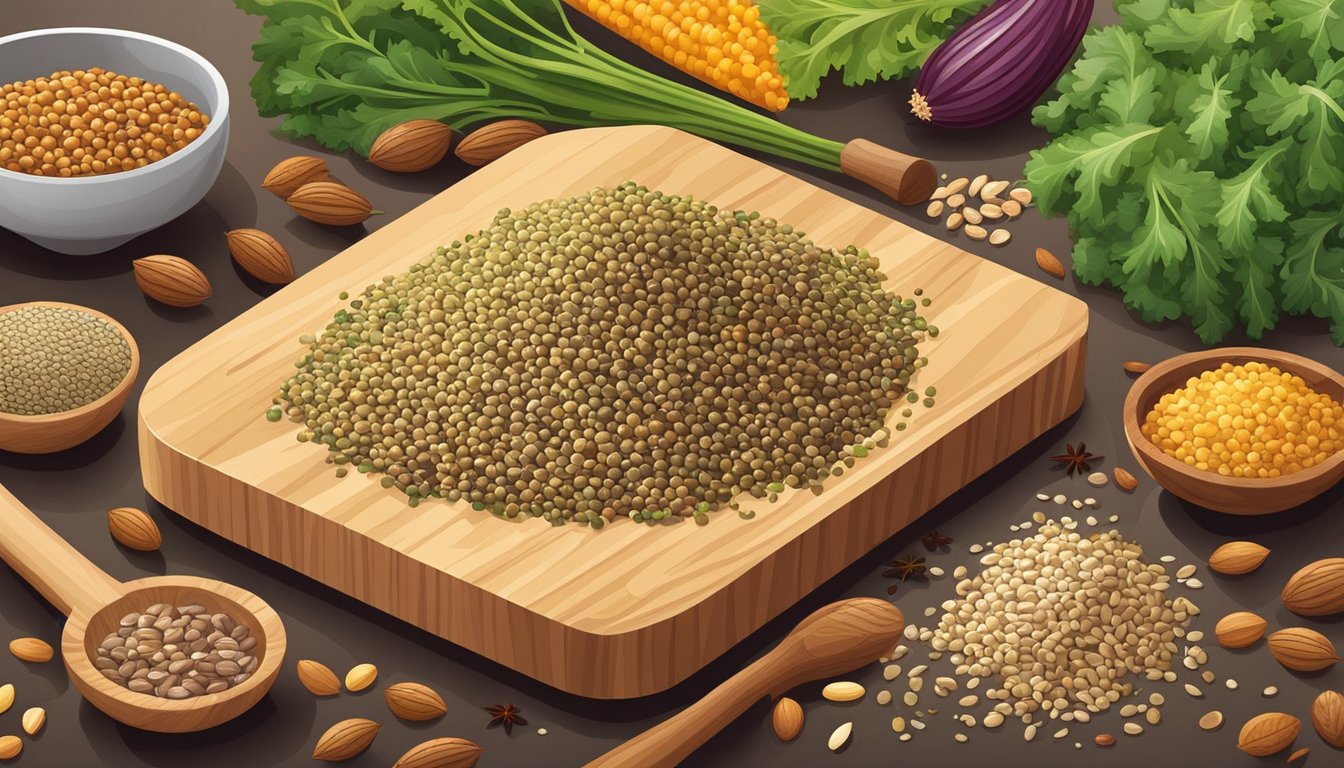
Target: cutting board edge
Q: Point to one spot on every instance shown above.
(581, 669)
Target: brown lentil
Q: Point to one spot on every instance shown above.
(623, 352)
(178, 652)
(92, 122)
(56, 359)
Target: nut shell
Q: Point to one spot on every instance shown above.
(172, 280)
(288, 175)
(412, 146)
(414, 702)
(440, 753)
(31, 650)
(1237, 557)
(1317, 589)
(1327, 715)
(1240, 629)
(1267, 734)
(261, 256)
(345, 739)
(134, 529)
(1302, 649)
(327, 202)
(787, 719)
(318, 678)
(493, 141)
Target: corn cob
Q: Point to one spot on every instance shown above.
(722, 42)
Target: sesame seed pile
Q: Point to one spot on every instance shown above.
(621, 353)
(55, 359)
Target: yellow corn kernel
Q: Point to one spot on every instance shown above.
(722, 42)
(1249, 420)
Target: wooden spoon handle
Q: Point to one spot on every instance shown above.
(64, 576)
(910, 180)
(837, 638)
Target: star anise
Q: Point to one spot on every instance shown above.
(903, 568)
(934, 541)
(1076, 459)
(505, 715)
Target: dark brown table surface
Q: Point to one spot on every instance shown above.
(72, 492)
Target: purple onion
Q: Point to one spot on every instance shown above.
(1000, 62)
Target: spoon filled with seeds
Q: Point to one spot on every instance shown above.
(172, 654)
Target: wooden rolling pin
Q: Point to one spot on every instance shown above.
(838, 638)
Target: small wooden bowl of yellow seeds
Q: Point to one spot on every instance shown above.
(65, 373)
(1241, 430)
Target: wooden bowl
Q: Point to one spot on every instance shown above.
(51, 432)
(1233, 495)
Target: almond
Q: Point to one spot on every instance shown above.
(10, 747)
(1317, 589)
(31, 650)
(360, 676)
(411, 146)
(1237, 557)
(134, 529)
(1266, 734)
(345, 739)
(1238, 630)
(1134, 366)
(787, 719)
(415, 702)
(1327, 714)
(287, 176)
(171, 280)
(440, 753)
(1302, 649)
(327, 202)
(318, 678)
(493, 141)
(33, 720)
(1299, 754)
(1049, 263)
(6, 697)
(1124, 479)
(261, 256)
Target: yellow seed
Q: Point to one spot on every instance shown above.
(33, 720)
(360, 676)
(6, 697)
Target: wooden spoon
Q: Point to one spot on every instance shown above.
(95, 603)
(837, 638)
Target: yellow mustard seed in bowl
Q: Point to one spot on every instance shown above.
(92, 122)
(1248, 420)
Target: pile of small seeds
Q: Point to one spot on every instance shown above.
(91, 122)
(178, 652)
(56, 359)
(997, 204)
(620, 353)
(1060, 620)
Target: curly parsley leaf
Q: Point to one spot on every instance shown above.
(865, 40)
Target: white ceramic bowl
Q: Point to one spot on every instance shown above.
(97, 213)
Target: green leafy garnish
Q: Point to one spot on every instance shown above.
(865, 39)
(1198, 158)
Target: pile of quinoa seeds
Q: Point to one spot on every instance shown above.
(57, 359)
(1066, 628)
(621, 353)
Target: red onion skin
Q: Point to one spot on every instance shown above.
(1000, 62)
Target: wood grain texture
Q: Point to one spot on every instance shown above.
(95, 603)
(628, 610)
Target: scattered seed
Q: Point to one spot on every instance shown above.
(957, 185)
(918, 725)
(1091, 520)
(936, 571)
(1098, 479)
(1022, 195)
(1185, 571)
(971, 215)
(911, 698)
(976, 549)
(1061, 733)
(916, 671)
(1299, 754)
(976, 232)
(959, 571)
(956, 201)
(1153, 716)
(1042, 497)
(935, 209)
(1133, 729)
(1029, 732)
(1134, 366)
(1270, 691)
(1011, 208)
(883, 698)
(1193, 691)
(1168, 558)
(939, 193)
(1230, 683)
(1196, 636)
(1208, 677)
(891, 672)
(977, 184)
(993, 720)
(1211, 721)
(991, 211)
(898, 724)
(1124, 479)
(843, 691)
(1193, 583)
(839, 736)
(1104, 740)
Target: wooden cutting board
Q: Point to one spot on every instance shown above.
(628, 610)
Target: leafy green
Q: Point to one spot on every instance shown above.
(865, 39)
(1197, 156)
(343, 71)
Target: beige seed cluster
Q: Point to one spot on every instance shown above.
(178, 652)
(1063, 621)
(55, 359)
(91, 122)
(623, 352)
